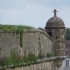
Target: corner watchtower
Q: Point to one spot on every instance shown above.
(56, 29)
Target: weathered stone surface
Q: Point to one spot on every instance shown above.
(33, 42)
(39, 66)
(9, 42)
(37, 43)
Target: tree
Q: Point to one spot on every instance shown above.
(67, 34)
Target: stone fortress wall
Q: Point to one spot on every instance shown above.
(33, 42)
(41, 64)
(9, 42)
(37, 42)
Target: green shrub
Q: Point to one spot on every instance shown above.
(12, 59)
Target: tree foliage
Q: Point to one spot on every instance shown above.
(67, 34)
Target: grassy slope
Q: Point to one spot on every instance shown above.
(14, 27)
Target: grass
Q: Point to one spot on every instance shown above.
(17, 28)
(13, 59)
(14, 27)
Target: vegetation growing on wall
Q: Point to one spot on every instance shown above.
(20, 32)
(30, 58)
(17, 28)
(13, 60)
(21, 38)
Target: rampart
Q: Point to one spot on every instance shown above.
(35, 42)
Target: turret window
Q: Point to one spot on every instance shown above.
(57, 37)
(50, 33)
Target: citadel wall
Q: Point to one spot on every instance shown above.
(9, 42)
(33, 42)
(37, 42)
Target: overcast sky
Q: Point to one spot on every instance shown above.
(33, 12)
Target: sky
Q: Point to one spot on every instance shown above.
(33, 13)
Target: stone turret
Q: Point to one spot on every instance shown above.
(55, 28)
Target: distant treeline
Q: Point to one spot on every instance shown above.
(67, 34)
